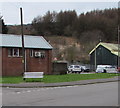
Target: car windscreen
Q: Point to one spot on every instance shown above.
(76, 66)
(71, 66)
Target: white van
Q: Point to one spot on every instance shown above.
(106, 69)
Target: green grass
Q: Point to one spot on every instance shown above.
(11, 80)
(75, 77)
(58, 78)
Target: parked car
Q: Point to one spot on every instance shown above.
(85, 69)
(74, 69)
(106, 69)
(119, 69)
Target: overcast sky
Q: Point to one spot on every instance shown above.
(11, 10)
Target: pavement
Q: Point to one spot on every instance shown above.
(81, 82)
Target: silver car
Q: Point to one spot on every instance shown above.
(74, 69)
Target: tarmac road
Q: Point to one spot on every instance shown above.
(102, 94)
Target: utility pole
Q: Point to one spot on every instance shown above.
(95, 59)
(96, 53)
(118, 47)
(1, 24)
(23, 48)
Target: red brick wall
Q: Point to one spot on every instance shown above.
(12, 66)
(39, 64)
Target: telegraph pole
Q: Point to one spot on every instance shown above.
(23, 48)
(1, 24)
(118, 47)
(95, 59)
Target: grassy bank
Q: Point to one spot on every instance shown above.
(58, 78)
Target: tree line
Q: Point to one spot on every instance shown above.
(68, 23)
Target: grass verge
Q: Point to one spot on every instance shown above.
(58, 78)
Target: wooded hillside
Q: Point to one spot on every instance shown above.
(68, 23)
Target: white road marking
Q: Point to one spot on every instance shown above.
(28, 91)
(18, 92)
(38, 89)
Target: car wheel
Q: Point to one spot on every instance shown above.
(71, 71)
(104, 71)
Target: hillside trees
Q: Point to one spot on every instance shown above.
(65, 22)
(44, 25)
(68, 23)
(104, 21)
(55, 23)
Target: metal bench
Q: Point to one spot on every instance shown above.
(33, 75)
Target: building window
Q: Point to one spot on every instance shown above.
(31, 53)
(20, 52)
(42, 54)
(10, 52)
(14, 52)
(39, 54)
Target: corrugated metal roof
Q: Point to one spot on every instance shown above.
(8, 40)
(112, 47)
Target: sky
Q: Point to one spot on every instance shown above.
(10, 9)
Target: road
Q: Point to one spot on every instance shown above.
(102, 94)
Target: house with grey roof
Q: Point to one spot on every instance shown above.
(38, 54)
(104, 54)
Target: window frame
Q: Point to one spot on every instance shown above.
(12, 52)
(17, 52)
(31, 53)
(43, 54)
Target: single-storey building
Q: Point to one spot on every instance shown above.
(104, 54)
(38, 55)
